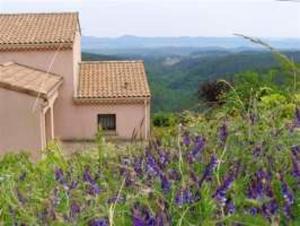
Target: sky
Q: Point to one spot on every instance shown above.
(152, 18)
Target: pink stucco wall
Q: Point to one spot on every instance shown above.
(72, 121)
(129, 118)
(19, 125)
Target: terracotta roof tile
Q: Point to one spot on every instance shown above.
(28, 80)
(31, 30)
(112, 79)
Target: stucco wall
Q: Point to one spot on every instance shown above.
(19, 124)
(76, 121)
(59, 62)
(129, 118)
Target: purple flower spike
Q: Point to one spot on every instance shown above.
(174, 175)
(117, 199)
(220, 194)
(223, 133)
(209, 169)
(269, 209)
(179, 199)
(138, 168)
(196, 152)
(230, 207)
(98, 222)
(163, 159)
(185, 196)
(296, 152)
(257, 151)
(93, 189)
(142, 217)
(287, 195)
(73, 185)
(165, 184)
(253, 211)
(74, 210)
(288, 199)
(87, 176)
(296, 168)
(59, 176)
(152, 166)
(186, 139)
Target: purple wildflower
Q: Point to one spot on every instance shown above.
(152, 167)
(117, 199)
(196, 152)
(73, 185)
(209, 169)
(137, 166)
(220, 194)
(257, 151)
(98, 222)
(296, 152)
(165, 183)
(87, 176)
(288, 198)
(185, 196)
(253, 211)
(174, 174)
(229, 207)
(186, 139)
(163, 159)
(74, 210)
(142, 217)
(59, 176)
(260, 186)
(179, 199)
(270, 208)
(223, 133)
(93, 189)
(296, 168)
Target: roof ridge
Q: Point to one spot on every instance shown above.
(39, 13)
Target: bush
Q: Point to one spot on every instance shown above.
(164, 119)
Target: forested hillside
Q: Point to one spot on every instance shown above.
(175, 74)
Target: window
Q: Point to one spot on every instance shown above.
(107, 122)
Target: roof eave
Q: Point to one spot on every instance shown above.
(111, 100)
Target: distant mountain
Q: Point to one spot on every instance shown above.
(176, 73)
(208, 43)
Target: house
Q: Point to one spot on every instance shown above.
(47, 92)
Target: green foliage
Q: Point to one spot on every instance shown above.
(164, 119)
(174, 86)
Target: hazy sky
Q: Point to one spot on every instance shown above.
(103, 18)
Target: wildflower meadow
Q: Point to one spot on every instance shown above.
(235, 164)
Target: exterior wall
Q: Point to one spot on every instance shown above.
(58, 62)
(129, 118)
(73, 121)
(20, 126)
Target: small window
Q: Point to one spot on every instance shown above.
(107, 122)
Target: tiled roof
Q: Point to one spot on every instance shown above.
(28, 80)
(112, 79)
(38, 30)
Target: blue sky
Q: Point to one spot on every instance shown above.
(111, 18)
